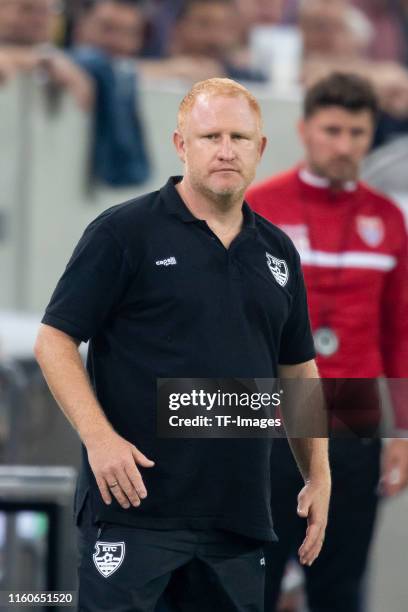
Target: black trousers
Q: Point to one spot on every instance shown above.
(127, 569)
(334, 581)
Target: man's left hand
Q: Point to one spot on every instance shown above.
(394, 476)
(313, 504)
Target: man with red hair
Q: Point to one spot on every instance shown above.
(190, 524)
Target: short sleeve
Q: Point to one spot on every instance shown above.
(92, 285)
(297, 340)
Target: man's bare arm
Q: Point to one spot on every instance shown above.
(311, 455)
(112, 458)
(310, 452)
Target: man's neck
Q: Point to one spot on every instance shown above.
(223, 216)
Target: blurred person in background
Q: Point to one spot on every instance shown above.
(33, 22)
(119, 29)
(107, 38)
(251, 16)
(262, 11)
(205, 28)
(26, 37)
(211, 29)
(334, 33)
(197, 39)
(334, 28)
(353, 247)
(258, 12)
(116, 27)
(390, 21)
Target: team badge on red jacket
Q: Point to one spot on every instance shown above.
(371, 230)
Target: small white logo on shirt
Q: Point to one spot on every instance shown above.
(171, 261)
(279, 269)
(262, 561)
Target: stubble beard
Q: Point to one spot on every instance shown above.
(223, 198)
(337, 179)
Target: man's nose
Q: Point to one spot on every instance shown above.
(226, 149)
(344, 145)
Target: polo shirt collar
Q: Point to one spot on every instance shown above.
(249, 217)
(174, 203)
(175, 206)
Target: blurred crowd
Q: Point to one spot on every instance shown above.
(100, 50)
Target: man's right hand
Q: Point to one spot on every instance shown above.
(114, 462)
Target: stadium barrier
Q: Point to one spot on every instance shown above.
(37, 539)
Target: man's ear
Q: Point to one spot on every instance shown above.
(301, 129)
(178, 141)
(262, 148)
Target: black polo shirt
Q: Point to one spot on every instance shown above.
(159, 296)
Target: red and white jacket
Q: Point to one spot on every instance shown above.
(353, 247)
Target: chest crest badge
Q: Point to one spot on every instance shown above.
(279, 269)
(370, 230)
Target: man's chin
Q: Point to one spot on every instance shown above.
(229, 188)
(342, 179)
(345, 175)
(230, 191)
(223, 189)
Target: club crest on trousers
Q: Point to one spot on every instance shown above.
(108, 557)
(279, 269)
